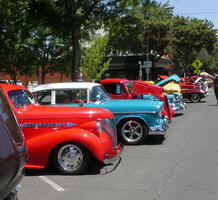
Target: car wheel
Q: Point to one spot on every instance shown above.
(195, 98)
(132, 131)
(70, 158)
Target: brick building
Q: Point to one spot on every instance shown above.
(49, 78)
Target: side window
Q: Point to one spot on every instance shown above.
(19, 98)
(129, 87)
(110, 88)
(119, 89)
(43, 97)
(71, 96)
(7, 115)
(62, 96)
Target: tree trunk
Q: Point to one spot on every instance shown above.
(13, 74)
(43, 75)
(76, 53)
(61, 78)
(26, 80)
(38, 74)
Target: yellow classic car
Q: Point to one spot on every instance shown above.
(172, 87)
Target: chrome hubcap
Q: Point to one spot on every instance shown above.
(132, 131)
(70, 157)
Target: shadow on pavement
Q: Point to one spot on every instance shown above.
(95, 168)
(155, 140)
(189, 102)
(178, 114)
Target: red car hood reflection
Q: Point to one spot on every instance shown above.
(52, 112)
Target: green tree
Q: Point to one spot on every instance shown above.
(14, 34)
(190, 36)
(73, 18)
(94, 62)
(46, 48)
(210, 60)
(143, 30)
(61, 63)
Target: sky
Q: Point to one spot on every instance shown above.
(201, 9)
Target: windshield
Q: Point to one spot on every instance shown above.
(21, 98)
(129, 86)
(99, 94)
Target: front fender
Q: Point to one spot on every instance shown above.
(118, 119)
(40, 147)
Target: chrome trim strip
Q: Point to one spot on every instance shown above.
(46, 125)
(140, 112)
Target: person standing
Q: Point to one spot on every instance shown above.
(215, 86)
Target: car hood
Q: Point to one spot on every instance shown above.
(168, 80)
(128, 105)
(148, 96)
(53, 112)
(140, 87)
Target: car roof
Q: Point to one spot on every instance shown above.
(8, 87)
(66, 85)
(114, 80)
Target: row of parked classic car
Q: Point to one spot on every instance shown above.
(66, 125)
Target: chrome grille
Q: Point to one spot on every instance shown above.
(168, 109)
(109, 127)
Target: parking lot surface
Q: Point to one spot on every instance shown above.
(181, 166)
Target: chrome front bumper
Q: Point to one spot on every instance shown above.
(115, 155)
(178, 107)
(161, 129)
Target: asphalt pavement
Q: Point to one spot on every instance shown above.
(181, 166)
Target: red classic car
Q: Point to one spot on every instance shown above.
(192, 89)
(67, 137)
(126, 89)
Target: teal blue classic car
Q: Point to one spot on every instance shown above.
(135, 119)
(174, 95)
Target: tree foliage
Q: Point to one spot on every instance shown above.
(143, 29)
(151, 30)
(14, 34)
(46, 47)
(94, 62)
(191, 36)
(210, 61)
(74, 18)
(50, 33)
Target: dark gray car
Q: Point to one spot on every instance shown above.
(13, 152)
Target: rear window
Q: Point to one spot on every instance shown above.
(9, 119)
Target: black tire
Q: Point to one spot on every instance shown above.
(195, 98)
(132, 131)
(70, 158)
